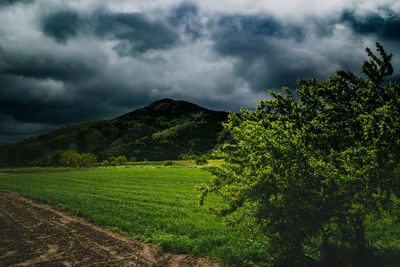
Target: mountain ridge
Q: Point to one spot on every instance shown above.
(161, 130)
(162, 105)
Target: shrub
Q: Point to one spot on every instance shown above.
(51, 159)
(201, 160)
(184, 156)
(117, 161)
(70, 158)
(121, 160)
(73, 159)
(87, 160)
(105, 163)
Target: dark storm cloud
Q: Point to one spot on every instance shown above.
(136, 33)
(257, 42)
(29, 115)
(271, 54)
(186, 15)
(11, 129)
(48, 66)
(28, 102)
(57, 102)
(12, 2)
(55, 87)
(247, 35)
(61, 25)
(384, 24)
(39, 112)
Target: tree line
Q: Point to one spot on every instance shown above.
(73, 159)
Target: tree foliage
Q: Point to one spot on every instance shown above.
(73, 159)
(117, 161)
(315, 162)
(201, 160)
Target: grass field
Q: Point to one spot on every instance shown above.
(150, 202)
(159, 204)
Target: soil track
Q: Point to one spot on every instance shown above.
(34, 234)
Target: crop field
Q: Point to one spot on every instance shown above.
(159, 204)
(149, 202)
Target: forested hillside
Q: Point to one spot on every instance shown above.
(162, 130)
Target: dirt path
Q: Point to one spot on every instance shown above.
(33, 234)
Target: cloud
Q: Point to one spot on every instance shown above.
(270, 53)
(48, 65)
(61, 25)
(384, 23)
(135, 32)
(186, 16)
(5, 3)
(273, 53)
(11, 129)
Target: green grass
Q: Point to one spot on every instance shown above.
(159, 204)
(149, 202)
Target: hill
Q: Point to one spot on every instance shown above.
(162, 130)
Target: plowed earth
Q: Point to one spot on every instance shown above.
(34, 234)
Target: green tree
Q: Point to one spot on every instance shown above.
(120, 160)
(51, 159)
(70, 158)
(201, 160)
(315, 162)
(73, 159)
(87, 160)
(105, 163)
(111, 160)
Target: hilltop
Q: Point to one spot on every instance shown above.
(162, 130)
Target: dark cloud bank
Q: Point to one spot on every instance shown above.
(74, 65)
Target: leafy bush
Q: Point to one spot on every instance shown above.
(73, 159)
(121, 160)
(117, 161)
(50, 159)
(168, 163)
(105, 163)
(201, 160)
(87, 160)
(184, 156)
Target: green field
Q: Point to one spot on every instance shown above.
(159, 204)
(149, 202)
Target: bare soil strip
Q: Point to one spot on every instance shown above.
(34, 234)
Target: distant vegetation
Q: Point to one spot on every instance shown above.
(163, 130)
(71, 158)
(115, 161)
(168, 163)
(318, 167)
(68, 158)
(201, 160)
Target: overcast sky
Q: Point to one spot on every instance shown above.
(63, 62)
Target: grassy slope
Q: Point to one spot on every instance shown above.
(154, 203)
